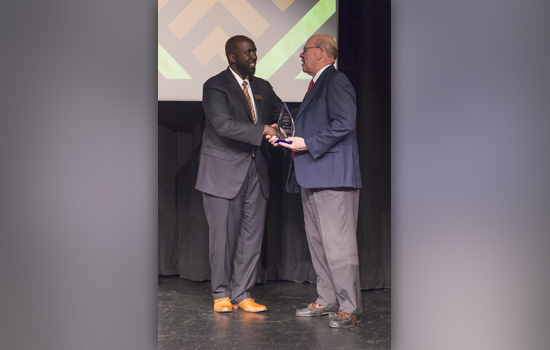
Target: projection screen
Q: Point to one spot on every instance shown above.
(192, 36)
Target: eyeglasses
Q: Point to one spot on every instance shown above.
(311, 47)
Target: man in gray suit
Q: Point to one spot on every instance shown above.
(233, 173)
(325, 169)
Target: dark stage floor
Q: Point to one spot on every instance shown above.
(186, 320)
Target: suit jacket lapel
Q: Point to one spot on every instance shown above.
(238, 91)
(259, 102)
(313, 91)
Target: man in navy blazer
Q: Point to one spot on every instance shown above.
(233, 173)
(325, 169)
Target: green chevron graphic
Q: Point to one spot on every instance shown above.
(168, 66)
(291, 42)
(304, 76)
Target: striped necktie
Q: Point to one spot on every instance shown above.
(245, 89)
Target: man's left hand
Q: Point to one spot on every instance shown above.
(298, 144)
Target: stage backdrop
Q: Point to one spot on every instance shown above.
(192, 36)
(364, 56)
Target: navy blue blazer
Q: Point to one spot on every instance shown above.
(326, 121)
(230, 136)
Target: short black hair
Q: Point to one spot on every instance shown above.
(231, 44)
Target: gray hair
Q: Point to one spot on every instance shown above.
(329, 47)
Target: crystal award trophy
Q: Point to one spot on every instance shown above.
(285, 125)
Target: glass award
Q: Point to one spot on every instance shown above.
(285, 125)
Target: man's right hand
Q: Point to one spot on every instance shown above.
(272, 138)
(270, 130)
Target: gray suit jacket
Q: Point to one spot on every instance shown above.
(230, 136)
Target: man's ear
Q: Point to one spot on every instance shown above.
(320, 54)
(232, 58)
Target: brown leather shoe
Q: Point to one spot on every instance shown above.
(222, 305)
(251, 306)
(343, 319)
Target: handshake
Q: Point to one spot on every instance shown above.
(282, 133)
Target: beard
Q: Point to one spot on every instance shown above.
(245, 69)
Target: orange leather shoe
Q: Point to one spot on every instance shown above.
(222, 305)
(251, 306)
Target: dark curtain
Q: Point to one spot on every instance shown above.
(364, 55)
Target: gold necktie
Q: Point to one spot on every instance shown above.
(245, 89)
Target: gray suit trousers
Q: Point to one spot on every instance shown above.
(330, 217)
(235, 231)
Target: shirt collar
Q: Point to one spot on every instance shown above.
(320, 72)
(239, 79)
